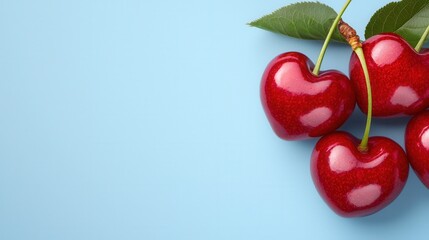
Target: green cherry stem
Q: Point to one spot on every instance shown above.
(363, 146)
(353, 39)
(422, 40)
(328, 38)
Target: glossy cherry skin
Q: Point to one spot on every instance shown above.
(399, 77)
(299, 104)
(417, 145)
(355, 183)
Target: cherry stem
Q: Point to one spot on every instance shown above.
(363, 146)
(328, 38)
(353, 39)
(422, 40)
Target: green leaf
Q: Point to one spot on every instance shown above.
(408, 18)
(305, 20)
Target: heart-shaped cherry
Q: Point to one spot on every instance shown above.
(302, 102)
(356, 183)
(399, 76)
(298, 103)
(417, 145)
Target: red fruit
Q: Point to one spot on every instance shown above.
(399, 77)
(355, 183)
(417, 145)
(299, 104)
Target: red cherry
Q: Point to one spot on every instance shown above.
(355, 183)
(399, 76)
(299, 104)
(417, 145)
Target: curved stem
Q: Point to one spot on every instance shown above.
(364, 143)
(353, 39)
(422, 40)
(328, 38)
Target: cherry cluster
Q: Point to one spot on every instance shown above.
(389, 79)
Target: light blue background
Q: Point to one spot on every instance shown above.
(142, 120)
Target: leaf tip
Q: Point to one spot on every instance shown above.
(251, 24)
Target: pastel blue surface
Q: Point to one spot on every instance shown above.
(142, 120)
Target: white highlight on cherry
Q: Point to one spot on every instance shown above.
(404, 96)
(287, 76)
(425, 138)
(316, 117)
(341, 159)
(386, 53)
(364, 196)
